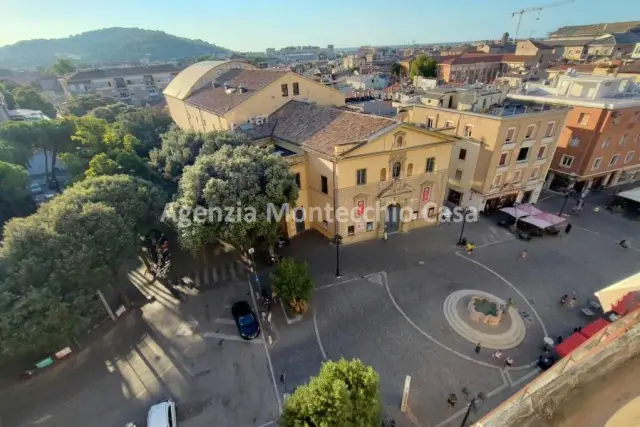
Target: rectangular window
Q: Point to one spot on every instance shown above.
(614, 159)
(462, 154)
(324, 184)
(566, 161)
(551, 129)
(285, 90)
(623, 140)
(361, 176)
(531, 132)
(523, 154)
(534, 174)
(596, 163)
(496, 180)
(296, 89)
(351, 230)
(511, 132)
(574, 142)
(606, 142)
(298, 180)
(448, 124)
(516, 176)
(617, 117)
(431, 122)
(458, 176)
(431, 164)
(629, 156)
(468, 129)
(583, 119)
(504, 159)
(542, 151)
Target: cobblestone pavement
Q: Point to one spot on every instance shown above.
(387, 307)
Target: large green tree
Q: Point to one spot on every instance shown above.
(14, 191)
(53, 262)
(424, 66)
(345, 394)
(246, 177)
(83, 104)
(8, 96)
(180, 149)
(18, 142)
(111, 112)
(146, 124)
(30, 98)
(63, 66)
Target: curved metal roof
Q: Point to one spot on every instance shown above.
(182, 84)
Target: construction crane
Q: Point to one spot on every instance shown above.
(534, 9)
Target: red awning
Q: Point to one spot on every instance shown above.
(592, 328)
(626, 304)
(569, 344)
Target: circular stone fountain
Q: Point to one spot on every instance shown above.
(482, 317)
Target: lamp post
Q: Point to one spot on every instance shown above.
(255, 270)
(515, 224)
(567, 194)
(464, 222)
(475, 400)
(337, 239)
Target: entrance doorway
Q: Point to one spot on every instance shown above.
(526, 197)
(299, 219)
(454, 197)
(393, 218)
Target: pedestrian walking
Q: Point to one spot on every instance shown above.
(470, 247)
(564, 299)
(478, 348)
(508, 361)
(624, 244)
(523, 255)
(452, 400)
(385, 236)
(573, 302)
(596, 209)
(497, 355)
(567, 229)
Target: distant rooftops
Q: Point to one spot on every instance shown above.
(617, 39)
(107, 73)
(595, 29)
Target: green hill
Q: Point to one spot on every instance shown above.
(105, 46)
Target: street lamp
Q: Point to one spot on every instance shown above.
(515, 224)
(475, 400)
(464, 222)
(251, 251)
(567, 194)
(337, 239)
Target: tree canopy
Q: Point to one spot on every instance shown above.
(345, 393)
(62, 67)
(83, 104)
(111, 112)
(14, 192)
(245, 177)
(424, 66)
(291, 281)
(30, 98)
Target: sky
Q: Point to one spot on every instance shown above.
(254, 25)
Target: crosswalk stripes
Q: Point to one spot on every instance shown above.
(216, 273)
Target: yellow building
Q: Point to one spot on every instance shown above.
(371, 173)
(501, 156)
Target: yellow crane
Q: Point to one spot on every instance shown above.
(534, 9)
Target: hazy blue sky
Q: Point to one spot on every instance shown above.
(256, 25)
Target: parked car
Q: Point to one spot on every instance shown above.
(36, 189)
(162, 414)
(246, 320)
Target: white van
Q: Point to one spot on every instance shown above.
(162, 414)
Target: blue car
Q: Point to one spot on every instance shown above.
(246, 321)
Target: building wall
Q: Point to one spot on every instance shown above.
(636, 51)
(135, 86)
(270, 98)
(464, 183)
(592, 146)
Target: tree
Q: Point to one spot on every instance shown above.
(17, 142)
(146, 124)
(101, 164)
(81, 105)
(111, 112)
(345, 393)
(62, 67)
(8, 96)
(29, 98)
(424, 66)
(180, 148)
(14, 191)
(398, 70)
(291, 280)
(54, 261)
(249, 177)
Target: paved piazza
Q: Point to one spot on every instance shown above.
(402, 308)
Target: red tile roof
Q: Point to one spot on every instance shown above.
(472, 59)
(217, 100)
(517, 58)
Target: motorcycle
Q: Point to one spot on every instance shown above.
(274, 259)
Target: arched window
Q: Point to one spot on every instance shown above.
(383, 174)
(399, 141)
(396, 170)
(410, 169)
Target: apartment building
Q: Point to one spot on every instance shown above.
(131, 85)
(393, 175)
(600, 142)
(470, 69)
(502, 150)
